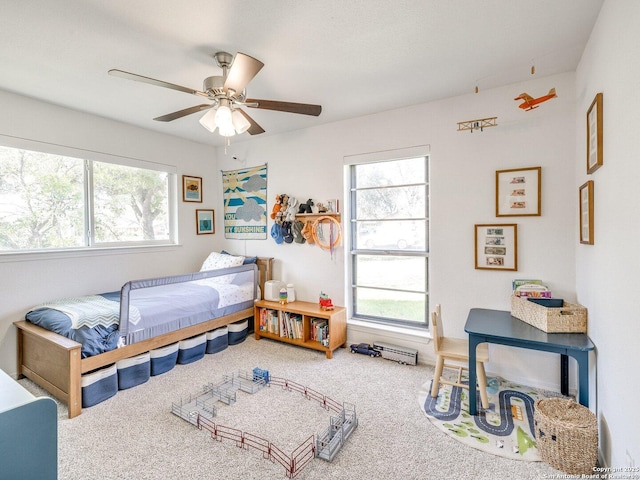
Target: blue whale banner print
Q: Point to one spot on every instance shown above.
(245, 203)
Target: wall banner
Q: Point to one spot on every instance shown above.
(245, 203)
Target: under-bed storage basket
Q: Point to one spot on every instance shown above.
(238, 332)
(192, 349)
(566, 435)
(163, 359)
(133, 371)
(568, 318)
(99, 385)
(217, 340)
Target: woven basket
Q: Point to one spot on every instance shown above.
(570, 318)
(566, 435)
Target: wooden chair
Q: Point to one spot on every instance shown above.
(456, 349)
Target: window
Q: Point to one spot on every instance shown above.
(51, 202)
(389, 205)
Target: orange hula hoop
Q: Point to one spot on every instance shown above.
(314, 232)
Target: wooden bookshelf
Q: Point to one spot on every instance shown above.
(301, 323)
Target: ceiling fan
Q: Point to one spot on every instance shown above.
(227, 93)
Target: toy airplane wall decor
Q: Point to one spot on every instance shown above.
(529, 103)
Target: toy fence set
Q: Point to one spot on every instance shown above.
(532, 303)
(102, 384)
(200, 410)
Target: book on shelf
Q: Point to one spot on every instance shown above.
(268, 320)
(320, 331)
(291, 325)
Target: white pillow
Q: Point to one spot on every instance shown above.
(216, 261)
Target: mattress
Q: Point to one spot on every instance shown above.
(144, 309)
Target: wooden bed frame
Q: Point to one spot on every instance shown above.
(54, 362)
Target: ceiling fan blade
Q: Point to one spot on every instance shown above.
(254, 129)
(152, 81)
(183, 113)
(243, 69)
(302, 108)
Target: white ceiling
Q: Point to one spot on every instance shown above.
(353, 57)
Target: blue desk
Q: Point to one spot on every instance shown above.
(497, 326)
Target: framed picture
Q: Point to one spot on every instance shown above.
(586, 213)
(191, 189)
(496, 246)
(594, 134)
(204, 222)
(518, 192)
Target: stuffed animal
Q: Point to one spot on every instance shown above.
(284, 204)
(322, 208)
(292, 209)
(276, 207)
(306, 207)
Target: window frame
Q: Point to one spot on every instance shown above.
(350, 163)
(88, 157)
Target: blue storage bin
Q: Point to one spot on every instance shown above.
(217, 340)
(133, 371)
(163, 359)
(238, 332)
(99, 385)
(192, 349)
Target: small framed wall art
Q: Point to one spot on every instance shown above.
(496, 246)
(586, 213)
(594, 134)
(518, 192)
(191, 189)
(204, 222)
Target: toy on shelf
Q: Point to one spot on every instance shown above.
(283, 295)
(306, 207)
(325, 302)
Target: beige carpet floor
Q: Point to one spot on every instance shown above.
(134, 435)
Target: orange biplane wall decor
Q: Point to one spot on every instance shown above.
(529, 103)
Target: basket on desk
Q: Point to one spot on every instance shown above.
(569, 318)
(566, 435)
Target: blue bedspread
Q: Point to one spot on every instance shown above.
(95, 339)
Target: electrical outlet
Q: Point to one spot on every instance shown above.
(631, 463)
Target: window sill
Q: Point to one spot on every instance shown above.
(83, 252)
(392, 329)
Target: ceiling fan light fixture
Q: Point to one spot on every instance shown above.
(227, 131)
(240, 123)
(208, 121)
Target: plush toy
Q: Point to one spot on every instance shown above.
(292, 209)
(284, 204)
(322, 208)
(276, 207)
(306, 207)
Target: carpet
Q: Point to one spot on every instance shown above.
(505, 429)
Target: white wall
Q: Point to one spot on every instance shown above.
(607, 272)
(309, 163)
(32, 279)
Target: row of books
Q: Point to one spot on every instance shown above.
(269, 321)
(319, 331)
(291, 325)
(530, 288)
